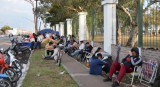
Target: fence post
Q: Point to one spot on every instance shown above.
(140, 23)
(109, 24)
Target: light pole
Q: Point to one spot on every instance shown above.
(36, 16)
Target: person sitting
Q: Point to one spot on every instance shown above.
(126, 66)
(96, 65)
(81, 47)
(54, 56)
(50, 48)
(88, 48)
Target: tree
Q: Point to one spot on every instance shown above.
(5, 27)
(34, 13)
(128, 16)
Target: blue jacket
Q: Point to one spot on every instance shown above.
(96, 66)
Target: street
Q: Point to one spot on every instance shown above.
(4, 42)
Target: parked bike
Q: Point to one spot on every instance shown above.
(4, 81)
(7, 69)
(12, 61)
(21, 53)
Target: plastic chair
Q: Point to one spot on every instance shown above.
(148, 73)
(136, 72)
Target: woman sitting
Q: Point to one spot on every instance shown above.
(50, 48)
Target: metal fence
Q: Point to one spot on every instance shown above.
(94, 25)
(151, 27)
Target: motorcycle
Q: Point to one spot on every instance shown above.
(21, 53)
(4, 81)
(7, 69)
(12, 61)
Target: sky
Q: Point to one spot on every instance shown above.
(16, 14)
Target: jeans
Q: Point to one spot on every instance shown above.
(32, 45)
(121, 68)
(75, 52)
(39, 45)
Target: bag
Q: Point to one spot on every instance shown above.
(107, 67)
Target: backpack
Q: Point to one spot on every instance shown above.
(109, 61)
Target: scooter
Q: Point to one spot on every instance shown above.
(21, 53)
(12, 61)
(7, 69)
(4, 81)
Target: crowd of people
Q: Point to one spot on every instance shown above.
(97, 63)
(97, 59)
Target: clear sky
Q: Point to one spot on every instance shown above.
(16, 14)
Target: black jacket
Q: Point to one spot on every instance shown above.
(133, 61)
(88, 49)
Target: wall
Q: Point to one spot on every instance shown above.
(147, 54)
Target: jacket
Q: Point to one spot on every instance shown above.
(131, 61)
(96, 66)
(88, 49)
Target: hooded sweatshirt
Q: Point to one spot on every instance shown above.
(132, 61)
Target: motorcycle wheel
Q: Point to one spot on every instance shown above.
(17, 65)
(5, 83)
(11, 73)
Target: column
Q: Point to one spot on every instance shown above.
(61, 32)
(109, 7)
(57, 27)
(54, 28)
(82, 26)
(69, 26)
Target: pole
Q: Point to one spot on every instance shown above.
(140, 23)
(93, 24)
(36, 16)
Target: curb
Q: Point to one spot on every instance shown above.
(25, 72)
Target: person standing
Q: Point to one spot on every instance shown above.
(12, 39)
(47, 35)
(32, 40)
(39, 40)
(19, 39)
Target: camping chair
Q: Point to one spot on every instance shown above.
(136, 72)
(148, 73)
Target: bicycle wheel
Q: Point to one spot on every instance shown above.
(11, 73)
(59, 62)
(5, 83)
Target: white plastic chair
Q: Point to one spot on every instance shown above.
(136, 72)
(148, 73)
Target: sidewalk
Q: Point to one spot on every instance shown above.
(80, 73)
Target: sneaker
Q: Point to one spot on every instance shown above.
(107, 80)
(115, 84)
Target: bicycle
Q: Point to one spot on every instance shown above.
(60, 54)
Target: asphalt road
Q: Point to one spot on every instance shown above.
(5, 42)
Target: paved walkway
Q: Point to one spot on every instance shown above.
(80, 74)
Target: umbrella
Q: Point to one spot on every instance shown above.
(49, 31)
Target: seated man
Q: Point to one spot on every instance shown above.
(127, 66)
(96, 65)
(88, 48)
(81, 47)
(50, 48)
(53, 56)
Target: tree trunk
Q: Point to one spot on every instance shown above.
(118, 31)
(133, 37)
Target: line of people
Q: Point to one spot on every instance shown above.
(100, 62)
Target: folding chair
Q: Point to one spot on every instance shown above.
(136, 72)
(148, 73)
